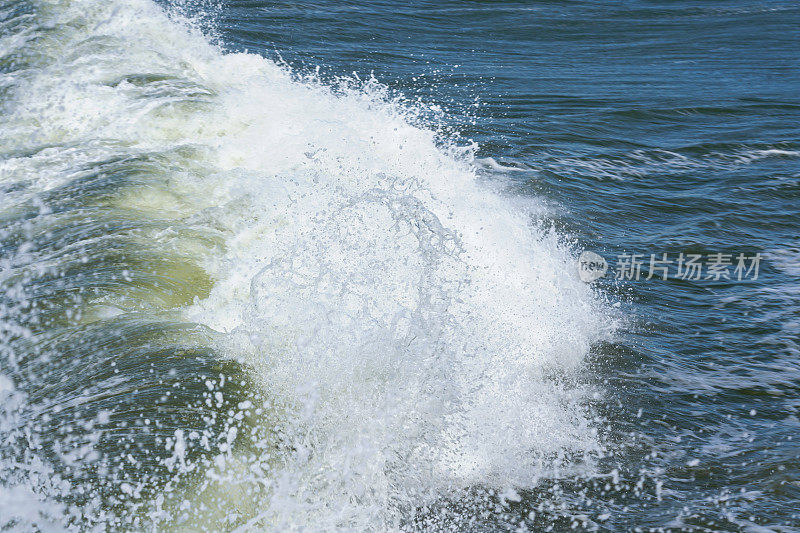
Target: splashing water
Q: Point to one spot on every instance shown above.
(235, 297)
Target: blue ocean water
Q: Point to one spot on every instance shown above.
(242, 198)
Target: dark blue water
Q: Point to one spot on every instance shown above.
(152, 191)
(651, 128)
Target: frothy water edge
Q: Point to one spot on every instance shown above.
(276, 303)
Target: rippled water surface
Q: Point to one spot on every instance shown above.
(314, 266)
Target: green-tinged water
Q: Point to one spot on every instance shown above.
(315, 267)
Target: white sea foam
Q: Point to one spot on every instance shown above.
(415, 334)
(786, 260)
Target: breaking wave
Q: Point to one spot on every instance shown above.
(236, 297)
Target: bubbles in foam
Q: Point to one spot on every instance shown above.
(405, 317)
(414, 334)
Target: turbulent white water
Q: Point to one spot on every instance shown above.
(406, 334)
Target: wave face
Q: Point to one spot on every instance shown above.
(236, 297)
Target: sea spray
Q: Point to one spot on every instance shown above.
(280, 304)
